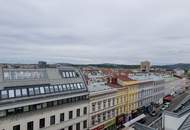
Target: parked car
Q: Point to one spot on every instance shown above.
(166, 105)
(163, 108)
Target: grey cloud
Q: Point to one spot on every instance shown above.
(98, 31)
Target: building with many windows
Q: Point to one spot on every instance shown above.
(43, 99)
(102, 107)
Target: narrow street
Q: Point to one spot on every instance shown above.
(175, 101)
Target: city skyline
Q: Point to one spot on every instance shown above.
(86, 32)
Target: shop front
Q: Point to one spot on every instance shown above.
(120, 120)
(110, 125)
(101, 127)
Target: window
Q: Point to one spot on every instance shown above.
(51, 89)
(50, 104)
(56, 88)
(16, 127)
(42, 123)
(52, 120)
(24, 92)
(70, 127)
(113, 112)
(60, 88)
(18, 92)
(37, 91)
(68, 87)
(104, 103)
(78, 126)
(109, 102)
(93, 120)
(99, 118)
(47, 89)
(74, 75)
(81, 84)
(64, 74)
(104, 116)
(19, 110)
(39, 106)
(72, 86)
(93, 107)
(31, 91)
(70, 114)
(10, 111)
(67, 74)
(64, 87)
(71, 74)
(117, 101)
(85, 110)
(99, 105)
(78, 86)
(85, 124)
(109, 114)
(78, 112)
(62, 117)
(11, 93)
(30, 125)
(113, 101)
(42, 90)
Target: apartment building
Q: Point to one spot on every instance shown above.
(43, 99)
(141, 92)
(102, 107)
(174, 85)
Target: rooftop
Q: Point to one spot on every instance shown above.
(181, 114)
(150, 77)
(98, 88)
(21, 83)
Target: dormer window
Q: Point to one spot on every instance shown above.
(70, 74)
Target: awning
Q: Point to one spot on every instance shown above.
(129, 123)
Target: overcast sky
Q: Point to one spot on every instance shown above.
(95, 31)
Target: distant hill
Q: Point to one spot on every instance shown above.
(174, 66)
(108, 65)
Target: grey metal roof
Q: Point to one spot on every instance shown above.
(186, 124)
(182, 109)
(19, 83)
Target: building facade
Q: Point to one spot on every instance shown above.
(102, 107)
(143, 92)
(43, 99)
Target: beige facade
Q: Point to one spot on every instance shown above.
(102, 109)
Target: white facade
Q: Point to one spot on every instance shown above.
(174, 85)
(150, 92)
(102, 107)
(7, 123)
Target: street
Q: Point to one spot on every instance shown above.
(175, 101)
